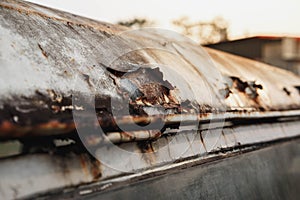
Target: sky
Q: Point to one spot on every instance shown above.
(245, 18)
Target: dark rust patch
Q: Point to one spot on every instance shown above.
(146, 148)
(298, 88)
(286, 91)
(243, 85)
(38, 109)
(225, 93)
(148, 88)
(249, 89)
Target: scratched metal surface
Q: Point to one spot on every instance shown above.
(48, 56)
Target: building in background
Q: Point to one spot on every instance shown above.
(283, 52)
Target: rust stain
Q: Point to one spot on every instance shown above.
(127, 136)
(9, 129)
(202, 140)
(84, 164)
(90, 166)
(242, 86)
(96, 169)
(225, 139)
(156, 135)
(150, 89)
(6, 126)
(142, 120)
(250, 90)
(225, 92)
(146, 148)
(43, 51)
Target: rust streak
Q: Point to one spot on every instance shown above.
(96, 169)
(84, 164)
(43, 51)
(202, 141)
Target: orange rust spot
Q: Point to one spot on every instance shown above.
(9, 129)
(53, 124)
(6, 126)
(128, 135)
(141, 120)
(203, 115)
(157, 134)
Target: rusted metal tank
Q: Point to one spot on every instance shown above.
(89, 106)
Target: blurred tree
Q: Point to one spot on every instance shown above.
(204, 32)
(137, 23)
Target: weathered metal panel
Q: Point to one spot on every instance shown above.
(209, 102)
(54, 48)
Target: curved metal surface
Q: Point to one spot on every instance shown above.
(44, 51)
(47, 57)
